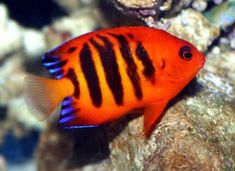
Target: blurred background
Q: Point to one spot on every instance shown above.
(29, 28)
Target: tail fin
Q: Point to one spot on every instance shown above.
(43, 95)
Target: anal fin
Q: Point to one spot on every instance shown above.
(69, 115)
(151, 114)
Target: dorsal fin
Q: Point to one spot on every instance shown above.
(54, 65)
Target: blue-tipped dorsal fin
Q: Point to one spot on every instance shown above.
(54, 65)
(68, 115)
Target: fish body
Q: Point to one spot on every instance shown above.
(100, 76)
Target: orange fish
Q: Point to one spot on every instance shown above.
(100, 76)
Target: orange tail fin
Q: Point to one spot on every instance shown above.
(43, 95)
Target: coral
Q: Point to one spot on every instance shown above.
(68, 27)
(154, 8)
(69, 5)
(183, 26)
(139, 3)
(199, 5)
(11, 79)
(32, 49)
(10, 33)
(188, 25)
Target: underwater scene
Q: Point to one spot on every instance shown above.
(117, 85)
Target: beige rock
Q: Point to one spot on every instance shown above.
(139, 3)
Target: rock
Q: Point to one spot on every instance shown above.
(72, 6)
(232, 38)
(192, 26)
(199, 5)
(220, 75)
(26, 118)
(154, 8)
(69, 27)
(174, 145)
(31, 48)
(10, 33)
(11, 88)
(69, 5)
(189, 25)
(4, 16)
(3, 164)
(81, 149)
(139, 3)
(181, 25)
(75, 24)
(11, 78)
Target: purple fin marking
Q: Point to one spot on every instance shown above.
(67, 114)
(66, 119)
(50, 63)
(67, 110)
(66, 102)
(81, 126)
(59, 76)
(54, 70)
(54, 65)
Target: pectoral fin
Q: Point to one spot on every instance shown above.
(151, 114)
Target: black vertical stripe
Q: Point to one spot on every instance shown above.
(89, 70)
(131, 36)
(109, 63)
(72, 76)
(131, 65)
(143, 56)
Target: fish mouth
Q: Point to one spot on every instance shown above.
(173, 76)
(203, 63)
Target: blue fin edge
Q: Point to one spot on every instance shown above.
(67, 114)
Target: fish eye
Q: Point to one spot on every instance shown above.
(186, 53)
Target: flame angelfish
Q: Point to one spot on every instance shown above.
(100, 76)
